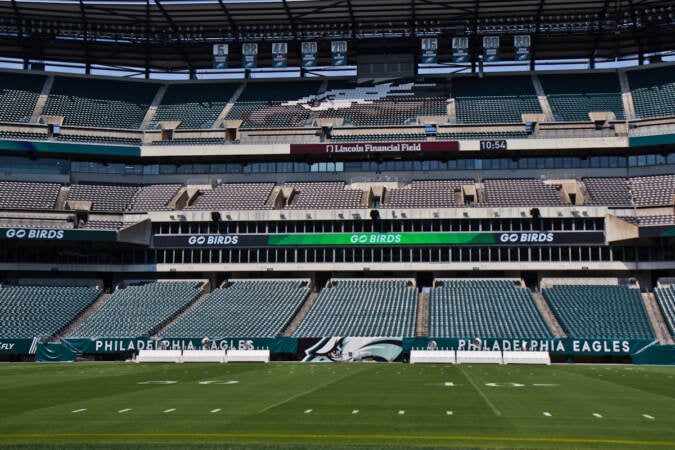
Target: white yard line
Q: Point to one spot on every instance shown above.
(308, 411)
(647, 416)
(170, 410)
(599, 416)
(216, 410)
(124, 410)
(75, 411)
(483, 396)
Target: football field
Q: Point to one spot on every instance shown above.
(300, 405)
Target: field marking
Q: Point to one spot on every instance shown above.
(170, 410)
(124, 410)
(76, 411)
(647, 416)
(308, 411)
(449, 384)
(545, 385)
(329, 437)
(481, 393)
(355, 411)
(216, 410)
(157, 382)
(448, 413)
(599, 416)
(401, 412)
(301, 394)
(547, 414)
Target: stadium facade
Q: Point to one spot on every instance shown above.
(329, 217)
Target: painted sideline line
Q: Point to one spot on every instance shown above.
(75, 411)
(124, 410)
(342, 436)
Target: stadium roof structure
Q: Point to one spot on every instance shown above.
(171, 35)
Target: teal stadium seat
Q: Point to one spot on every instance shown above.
(590, 311)
(100, 103)
(196, 105)
(573, 96)
(369, 308)
(41, 311)
(485, 309)
(653, 91)
(137, 310)
(495, 99)
(244, 308)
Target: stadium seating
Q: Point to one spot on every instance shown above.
(573, 96)
(665, 295)
(653, 91)
(104, 197)
(496, 99)
(656, 190)
(191, 141)
(244, 308)
(608, 191)
(196, 105)
(520, 192)
(266, 105)
(99, 139)
(452, 135)
(153, 197)
(92, 102)
(380, 104)
(19, 93)
(611, 312)
(392, 137)
(22, 136)
(237, 196)
(374, 308)
(323, 195)
(485, 309)
(428, 194)
(28, 195)
(136, 310)
(41, 311)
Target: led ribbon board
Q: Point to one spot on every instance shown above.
(377, 239)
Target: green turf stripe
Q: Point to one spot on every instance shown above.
(342, 436)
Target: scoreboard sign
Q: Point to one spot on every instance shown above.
(375, 147)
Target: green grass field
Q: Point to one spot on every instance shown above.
(296, 405)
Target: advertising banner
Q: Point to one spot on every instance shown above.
(25, 346)
(34, 234)
(352, 349)
(567, 346)
(121, 345)
(375, 147)
(377, 239)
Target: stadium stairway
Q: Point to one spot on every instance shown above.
(300, 315)
(422, 323)
(61, 198)
(77, 321)
(548, 315)
(656, 318)
(206, 291)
